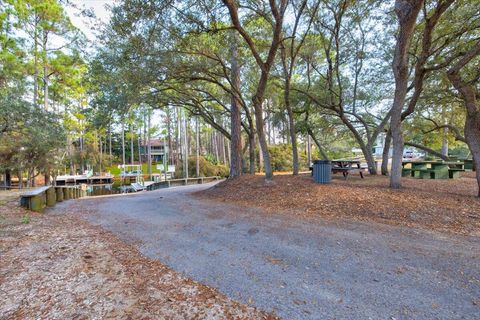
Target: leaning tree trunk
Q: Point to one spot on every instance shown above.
(407, 12)
(318, 144)
(469, 95)
(372, 165)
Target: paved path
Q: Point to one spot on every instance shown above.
(301, 269)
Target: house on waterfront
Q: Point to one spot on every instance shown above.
(158, 151)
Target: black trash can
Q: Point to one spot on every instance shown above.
(322, 171)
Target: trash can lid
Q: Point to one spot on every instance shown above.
(321, 162)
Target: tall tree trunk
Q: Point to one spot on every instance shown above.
(407, 12)
(82, 156)
(386, 153)
(8, 178)
(224, 153)
(278, 11)
(35, 62)
(469, 95)
(444, 133)
(258, 106)
(269, 127)
(101, 154)
(45, 71)
(251, 152)
(123, 142)
(291, 126)
(20, 179)
(309, 150)
(110, 144)
(215, 146)
(169, 133)
(178, 142)
(185, 135)
(139, 146)
(472, 135)
(197, 148)
(29, 179)
(149, 146)
(132, 149)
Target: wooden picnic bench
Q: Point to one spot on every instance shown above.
(432, 169)
(347, 166)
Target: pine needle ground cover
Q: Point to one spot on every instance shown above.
(442, 205)
(61, 267)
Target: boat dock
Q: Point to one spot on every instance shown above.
(79, 179)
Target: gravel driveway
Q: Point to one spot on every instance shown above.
(300, 269)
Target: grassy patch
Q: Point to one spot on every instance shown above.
(26, 219)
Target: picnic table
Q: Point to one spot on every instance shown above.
(345, 166)
(469, 165)
(432, 169)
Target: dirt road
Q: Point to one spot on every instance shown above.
(300, 268)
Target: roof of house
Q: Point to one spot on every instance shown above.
(155, 142)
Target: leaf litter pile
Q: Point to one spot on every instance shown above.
(60, 267)
(442, 205)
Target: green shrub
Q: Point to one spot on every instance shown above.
(282, 160)
(207, 169)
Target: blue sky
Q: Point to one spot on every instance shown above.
(98, 7)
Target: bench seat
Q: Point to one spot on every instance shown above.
(431, 173)
(454, 173)
(406, 172)
(346, 170)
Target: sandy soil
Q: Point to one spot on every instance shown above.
(442, 205)
(61, 267)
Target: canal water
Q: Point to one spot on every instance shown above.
(107, 189)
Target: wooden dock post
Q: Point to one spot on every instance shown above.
(66, 193)
(59, 192)
(51, 197)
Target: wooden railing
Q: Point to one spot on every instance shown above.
(181, 182)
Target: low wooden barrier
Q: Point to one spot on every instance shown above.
(39, 198)
(181, 182)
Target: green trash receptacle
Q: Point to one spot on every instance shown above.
(322, 171)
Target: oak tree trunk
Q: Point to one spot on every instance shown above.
(235, 116)
(291, 127)
(386, 153)
(407, 12)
